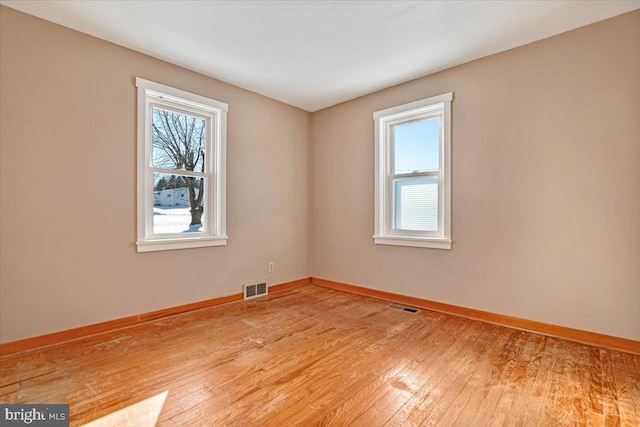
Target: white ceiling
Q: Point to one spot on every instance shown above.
(314, 54)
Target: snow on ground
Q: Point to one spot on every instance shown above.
(173, 219)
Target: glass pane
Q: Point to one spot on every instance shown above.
(416, 204)
(178, 140)
(417, 146)
(178, 204)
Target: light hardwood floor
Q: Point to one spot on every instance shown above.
(315, 356)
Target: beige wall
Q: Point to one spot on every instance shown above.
(67, 119)
(546, 185)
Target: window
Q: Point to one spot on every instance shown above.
(181, 151)
(413, 174)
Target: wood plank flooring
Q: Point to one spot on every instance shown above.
(316, 356)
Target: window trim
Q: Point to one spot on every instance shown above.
(152, 94)
(384, 120)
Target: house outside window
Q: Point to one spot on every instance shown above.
(413, 174)
(181, 169)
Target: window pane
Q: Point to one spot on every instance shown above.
(178, 204)
(178, 140)
(417, 146)
(416, 204)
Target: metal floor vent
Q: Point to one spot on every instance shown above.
(255, 290)
(403, 308)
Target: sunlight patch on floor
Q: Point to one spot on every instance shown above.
(142, 414)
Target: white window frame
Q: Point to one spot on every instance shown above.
(152, 94)
(385, 233)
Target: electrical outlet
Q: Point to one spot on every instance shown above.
(272, 267)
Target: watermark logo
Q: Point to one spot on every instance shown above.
(35, 415)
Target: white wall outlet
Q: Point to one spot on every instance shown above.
(272, 267)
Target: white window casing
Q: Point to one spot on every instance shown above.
(213, 115)
(406, 202)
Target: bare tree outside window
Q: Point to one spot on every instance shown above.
(179, 142)
(181, 163)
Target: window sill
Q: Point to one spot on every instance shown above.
(169, 244)
(419, 242)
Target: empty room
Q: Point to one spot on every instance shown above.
(275, 213)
